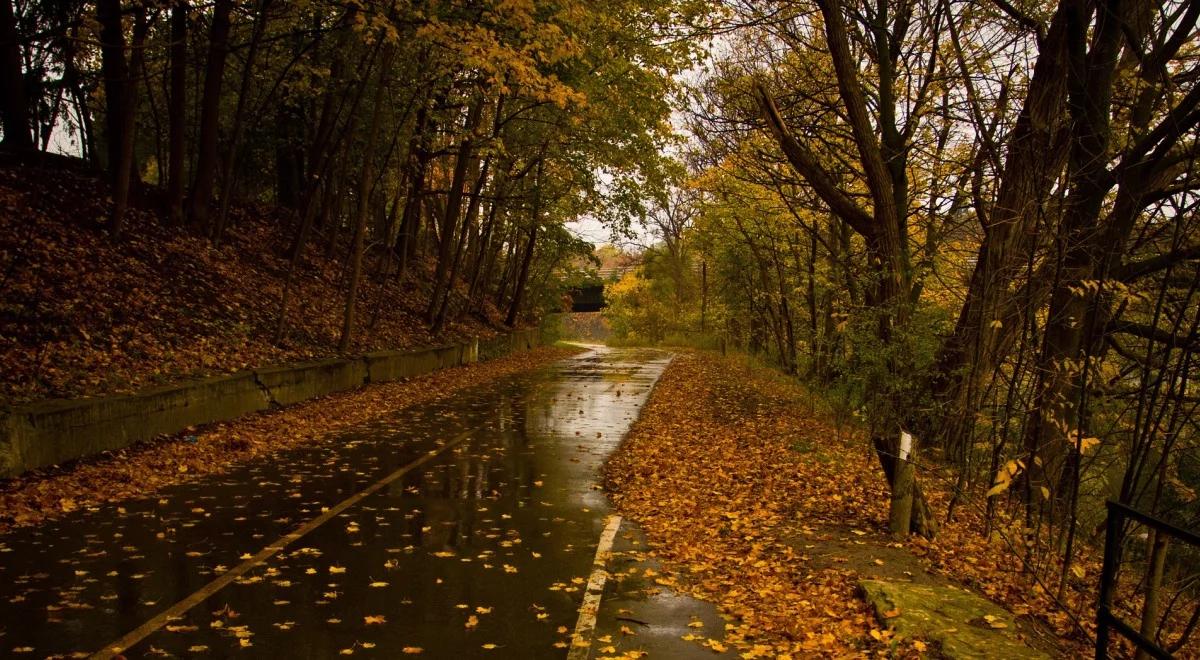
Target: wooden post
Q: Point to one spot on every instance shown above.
(900, 511)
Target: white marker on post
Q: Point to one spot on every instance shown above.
(905, 445)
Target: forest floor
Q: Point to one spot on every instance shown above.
(83, 315)
(142, 469)
(755, 500)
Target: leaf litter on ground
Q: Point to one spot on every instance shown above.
(737, 513)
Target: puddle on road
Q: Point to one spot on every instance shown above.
(483, 548)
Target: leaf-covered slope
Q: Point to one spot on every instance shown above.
(83, 315)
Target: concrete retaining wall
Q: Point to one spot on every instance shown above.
(293, 383)
(514, 342)
(383, 366)
(47, 433)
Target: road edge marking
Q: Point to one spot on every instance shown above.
(586, 624)
(119, 646)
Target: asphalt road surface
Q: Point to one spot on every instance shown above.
(470, 527)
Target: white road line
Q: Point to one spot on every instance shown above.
(179, 609)
(581, 640)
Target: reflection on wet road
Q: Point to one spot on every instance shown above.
(485, 547)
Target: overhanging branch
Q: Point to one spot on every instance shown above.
(1132, 271)
(807, 165)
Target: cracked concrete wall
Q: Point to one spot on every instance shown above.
(293, 383)
(49, 433)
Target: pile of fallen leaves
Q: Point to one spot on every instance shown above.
(711, 473)
(81, 314)
(142, 469)
(734, 478)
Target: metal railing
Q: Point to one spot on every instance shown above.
(1106, 621)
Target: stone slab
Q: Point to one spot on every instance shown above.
(964, 625)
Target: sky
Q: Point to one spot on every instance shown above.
(591, 230)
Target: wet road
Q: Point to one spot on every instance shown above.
(462, 528)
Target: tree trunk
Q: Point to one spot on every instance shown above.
(364, 197)
(485, 257)
(289, 156)
(14, 105)
(909, 511)
(137, 73)
(472, 214)
(508, 271)
(418, 161)
(817, 369)
(235, 141)
(120, 96)
(514, 309)
(990, 317)
(177, 112)
(73, 81)
(301, 239)
(1062, 373)
(449, 225)
(210, 115)
(1154, 578)
(115, 71)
